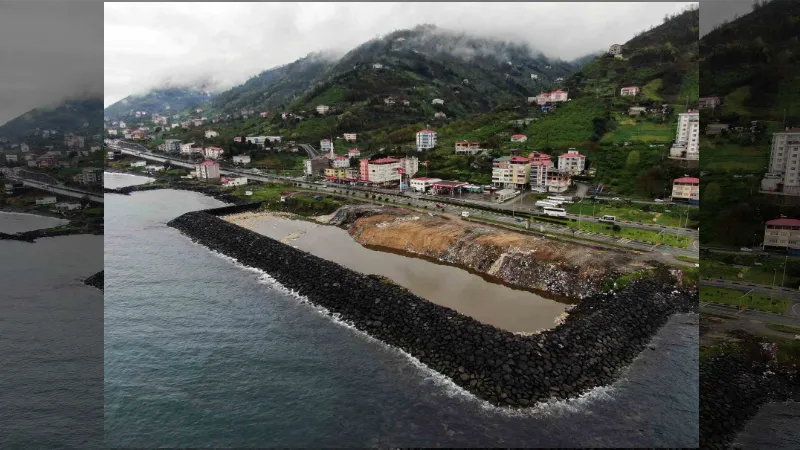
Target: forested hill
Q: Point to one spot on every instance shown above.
(83, 117)
(161, 101)
(752, 62)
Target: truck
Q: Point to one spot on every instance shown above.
(546, 204)
(607, 219)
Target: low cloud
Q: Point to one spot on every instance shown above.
(51, 51)
(220, 46)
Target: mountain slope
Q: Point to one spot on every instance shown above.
(68, 117)
(161, 101)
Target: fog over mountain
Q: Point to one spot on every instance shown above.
(216, 47)
(51, 51)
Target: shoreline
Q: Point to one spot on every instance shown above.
(599, 338)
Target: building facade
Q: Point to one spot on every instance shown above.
(426, 140)
(572, 162)
(784, 163)
(207, 170)
(422, 184)
(171, 146)
(468, 148)
(629, 91)
(686, 188)
(687, 140)
(511, 172)
(783, 234)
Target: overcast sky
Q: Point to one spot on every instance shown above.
(50, 50)
(149, 44)
(713, 12)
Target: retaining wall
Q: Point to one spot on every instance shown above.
(601, 335)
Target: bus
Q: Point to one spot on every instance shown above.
(559, 199)
(546, 204)
(555, 212)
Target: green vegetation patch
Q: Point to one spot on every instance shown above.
(777, 305)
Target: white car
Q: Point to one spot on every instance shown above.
(745, 249)
(616, 199)
(658, 200)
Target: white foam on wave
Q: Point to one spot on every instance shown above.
(550, 408)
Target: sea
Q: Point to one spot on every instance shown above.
(51, 338)
(201, 351)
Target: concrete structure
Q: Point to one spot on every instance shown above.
(629, 91)
(687, 141)
(207, 170)
(190, 148)
(423, 184)
(171, 146)
(519, 138)
(67, 206)
(316, 166)
(540, 167)
(686, 188)
(426, 139)
(636, 110)
(323, 109)
(350, 137)
(439, 115)
(783, 234)
(783, 174)
(709, 102)
(213, 152)
(505, 194)
(24, 148)
(231, 182)
(572, 162)
(90, 175)
(138, 164)
(241, 159)
(154, 168)
(559, 96)
(615, 49)
(388, 101)
(326, 146)
(468, 148)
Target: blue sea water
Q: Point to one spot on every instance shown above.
(202, 352)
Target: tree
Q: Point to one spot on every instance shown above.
(616, 228)
(712, 193)
(633, 159)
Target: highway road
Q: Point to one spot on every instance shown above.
(791, 318)
(311, 151)
(58, 189)
(506, 215)
(793, 294)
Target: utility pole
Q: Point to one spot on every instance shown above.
(785, 262)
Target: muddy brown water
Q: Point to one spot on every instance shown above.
(491, 303)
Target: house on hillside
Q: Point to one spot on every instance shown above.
(440, 115)
(350, 137)
(615, 49)
(377, 66)
(572, 162)
(388, 101)
(213, 152)
(211, 134)
(207, 170)
(629, 91)
(468, 148)
(405, 102)
(519, 138)
(426, 139)
(709, 102)
(323, 109)
(437, 101)
(325, 145)
(534, 76)
(637, 110)
(241, 159)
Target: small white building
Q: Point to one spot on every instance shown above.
(468, 148)
(350, 137)
(426, 139)
(437, 101)
(323, 109)
(241, 159)
(615, 49)
(46, 201)
(340, 162)
(326, 145)
(213, 152)
(231, 182)
(139, 164)
(629, 91)
(24, 148)
(377, 66)
(440, 115)
(67, 206)
(154, 168)
(422, 184)
(211, 134)
(519, 138)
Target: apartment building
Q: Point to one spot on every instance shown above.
(687, 140)
(686, 188)
(572, 162)
(540, 167)
(207, 170)
(426, 139)
(783, 233)
(784, 163)
(511, 172)
(629, 91)
(170, 146)
(468, 148)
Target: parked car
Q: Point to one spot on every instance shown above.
(658, 200)
(607, 219)
(616, 199)
(745, 249)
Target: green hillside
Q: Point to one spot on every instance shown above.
(161, 101)
(67, 117)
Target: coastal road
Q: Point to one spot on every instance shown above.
(505, 215)
(58, 189)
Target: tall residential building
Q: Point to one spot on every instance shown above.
(783, 233)
(426, 140)
(572, 162)
(207, 170)
(170, 146)
(687, 141)
(511, 172)
(540, 166)
(784, 163)
(686, 188)
(615, 49)
(326, 146)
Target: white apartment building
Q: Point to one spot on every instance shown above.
(629, 91)
(323, 109)
(340, 162)
(170, 146)
(615, 49)
(782, 233)
(540, 167)
(207, 170)
(326, 145)
(211, 134)
(410, 166)
(437, 101)
(213, 152)
(687, 141)
(350, 137)
(422, 184)
(426, 140)
(571, 162)
(511, 172)
(189, 148)
(468, 148)
(686, 188)
(784, 163)
(381, 171)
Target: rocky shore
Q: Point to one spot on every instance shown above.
(599, 337)
(33, 235)
(95, 280)
(732, 390)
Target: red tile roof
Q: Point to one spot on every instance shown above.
(784, 222)
(687, 180)
(342, 157)
(519, 159)
(517, 135)
(572, 155)
(558, 92)
(385, 161)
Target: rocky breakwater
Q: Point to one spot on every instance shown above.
(95, 280)
(733, 389)
(523, 260)
(600, 336)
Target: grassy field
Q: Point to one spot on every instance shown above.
(629, 129)
(718, 154)
(686, 259)
(631, 233)
(761, 302)
(657, 215)
(759, 271)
